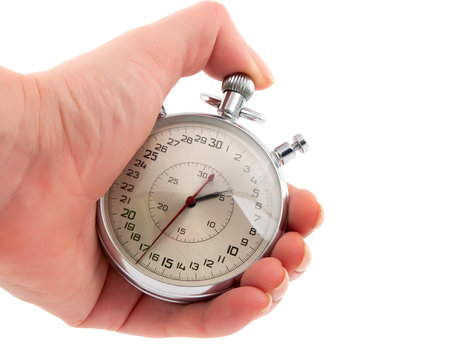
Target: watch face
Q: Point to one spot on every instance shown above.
(198, 203)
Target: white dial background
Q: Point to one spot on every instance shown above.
(221, 235)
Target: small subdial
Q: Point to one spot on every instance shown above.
(203, 218)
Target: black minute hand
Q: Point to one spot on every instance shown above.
(210, 196)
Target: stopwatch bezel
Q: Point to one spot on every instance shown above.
(177, 293)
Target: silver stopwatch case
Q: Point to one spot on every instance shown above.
(238, 88)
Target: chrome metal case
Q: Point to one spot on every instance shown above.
(185, 294)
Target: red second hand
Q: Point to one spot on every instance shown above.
(190, 200)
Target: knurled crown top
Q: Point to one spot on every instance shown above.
(240, 83)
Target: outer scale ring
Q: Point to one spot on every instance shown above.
(173, 292)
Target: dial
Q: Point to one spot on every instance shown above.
(197, 204)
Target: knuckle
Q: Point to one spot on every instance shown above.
(214, 9)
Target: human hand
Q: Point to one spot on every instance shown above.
(65, 136)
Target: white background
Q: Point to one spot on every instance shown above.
(374, 86)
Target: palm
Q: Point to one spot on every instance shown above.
(84, 130)
(70, 172)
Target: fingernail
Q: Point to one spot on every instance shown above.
(267, 308)
(264, 77)
(305, 260)
(278, 292)
(320, 219)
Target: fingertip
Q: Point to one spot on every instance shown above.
(268, 275)
(293, 252)
(278, 292)
(304, 211)
(320, 218)
(260, 72)
(268, 307)
(305, 262)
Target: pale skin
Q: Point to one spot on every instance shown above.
(66, 134)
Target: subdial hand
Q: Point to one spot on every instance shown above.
(209, 196)
(188, 202)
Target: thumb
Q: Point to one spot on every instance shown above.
(108, 98)
(201, 37)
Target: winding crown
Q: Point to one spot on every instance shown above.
(240, 83)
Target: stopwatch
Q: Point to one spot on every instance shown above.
(199, 202)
